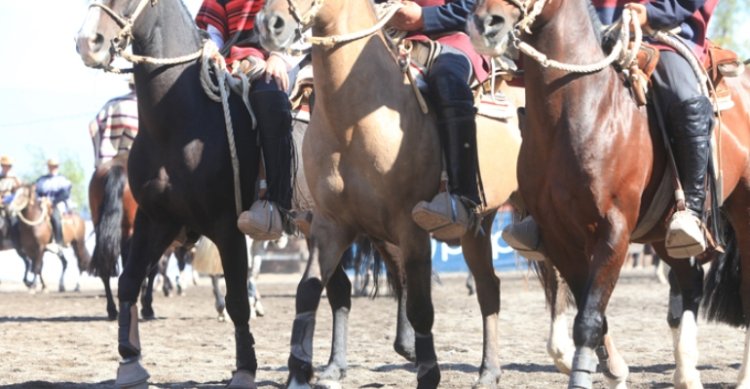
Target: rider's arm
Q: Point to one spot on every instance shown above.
(448, 17)
(213, 16)
(666, 14)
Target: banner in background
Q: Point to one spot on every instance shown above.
(504, 258)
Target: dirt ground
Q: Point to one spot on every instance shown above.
(63, 340)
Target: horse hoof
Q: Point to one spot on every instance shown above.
(112, 316)
(294, 384)
(242, 379)
(148, 314)
(327, 384)
(130, 374)
(487, 380)
(61, 289)
(332, 373)
(428, 379)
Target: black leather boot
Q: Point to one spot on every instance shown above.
(56, 221)
(264, 220)
(690, 123)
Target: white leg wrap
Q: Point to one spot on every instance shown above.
(686, 374)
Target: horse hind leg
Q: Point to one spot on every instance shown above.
(64, 262)
(219, 302)
(478, 253)
(147, 295)
(560, 345)
(338, 291)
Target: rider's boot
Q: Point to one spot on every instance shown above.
(449, 215)
(691, 123)
(524, 237)
(266, 219)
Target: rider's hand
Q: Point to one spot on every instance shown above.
(408, 17)
(277, 69)
(641, 15)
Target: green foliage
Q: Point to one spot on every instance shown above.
(70, 167)
(726, 27)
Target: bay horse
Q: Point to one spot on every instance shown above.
(589, 167)
(179, 169)
(35, 236)
(370, 155)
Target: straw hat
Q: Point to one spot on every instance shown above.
(53, 162)
(6, 161)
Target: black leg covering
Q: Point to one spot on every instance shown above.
(690, 122)
(273, 112)
(125, 347)
(245, 349)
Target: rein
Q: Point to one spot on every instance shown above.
(123, 38)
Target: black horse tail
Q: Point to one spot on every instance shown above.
(109, 229)
(722, 301)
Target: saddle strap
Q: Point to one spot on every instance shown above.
(655, 210)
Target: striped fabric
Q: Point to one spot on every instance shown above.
(114, 128)
(691, 16)
(231, 17)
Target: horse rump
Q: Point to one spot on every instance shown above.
(109, 228)
(722, 301)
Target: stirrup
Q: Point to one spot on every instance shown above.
(685, 235)
(524, 237)
(446, 217)
(262, 221)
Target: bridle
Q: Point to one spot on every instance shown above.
(531, 9)
(305, 21)
(125, 36)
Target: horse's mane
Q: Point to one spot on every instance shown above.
(596, 23)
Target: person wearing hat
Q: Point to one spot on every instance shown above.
(56, 188)
(9, 182)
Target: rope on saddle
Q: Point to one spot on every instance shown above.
(218, 91)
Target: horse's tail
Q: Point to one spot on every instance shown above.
(109, 228)
(722, 300)
(551, 283)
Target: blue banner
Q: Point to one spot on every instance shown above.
(504, 258)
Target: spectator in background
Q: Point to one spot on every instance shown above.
(115, 126)
(56, 188)
(9, 182)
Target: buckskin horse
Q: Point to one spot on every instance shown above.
(370, 155)
(179, 169)
(589, 168)
(35, 236)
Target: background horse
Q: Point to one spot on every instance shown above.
(588, 170)
(367, 166)
(113, 213)
(179, 170)
(35, 236)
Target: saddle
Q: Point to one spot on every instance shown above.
(721, 63)
(488, 99)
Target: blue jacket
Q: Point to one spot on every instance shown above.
(56, 187)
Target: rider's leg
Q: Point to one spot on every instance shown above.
(264, 220)
(448, 216)
(689, 117)
(56, 220)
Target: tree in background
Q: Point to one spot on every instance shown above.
(729, 26)
(70, 167)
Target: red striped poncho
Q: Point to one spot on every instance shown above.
(232, 17)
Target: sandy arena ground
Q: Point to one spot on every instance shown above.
(62, 340)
